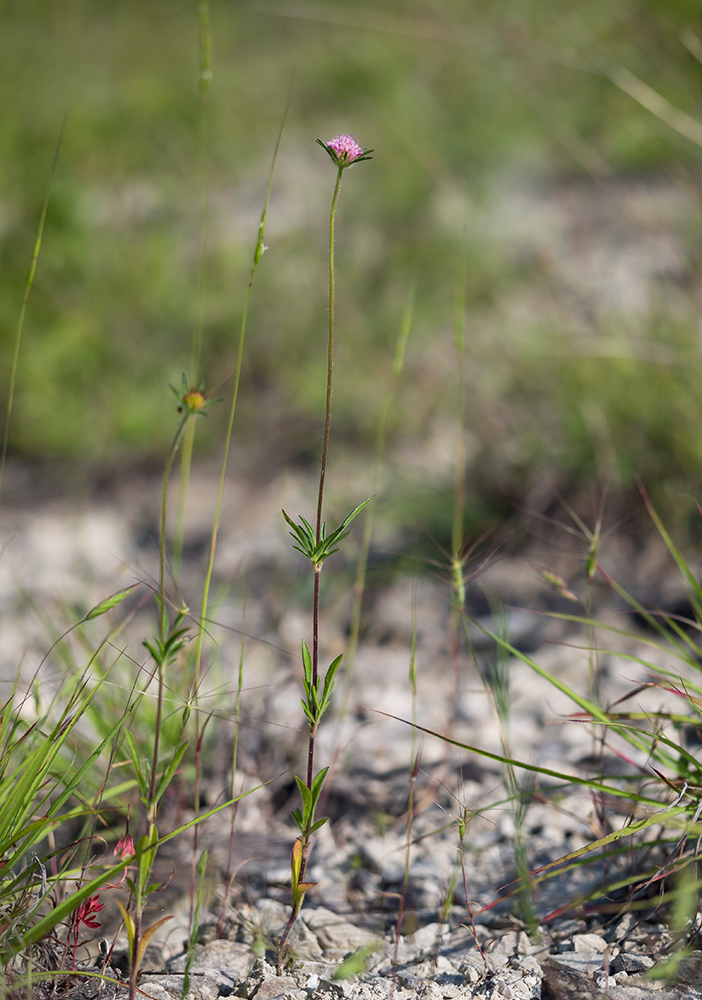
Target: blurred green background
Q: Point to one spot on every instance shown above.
(519, 184)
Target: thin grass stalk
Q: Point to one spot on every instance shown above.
(258, 253)
(598, 733)
(445, 912)
(151, 804)
(414, 770)
(23, 309)
(204, 86)
(235, 753)
(368, 525)
(459, 494)
(462, 830)
(497, 683)
(163, 609)
(408, 848)
(369, 519)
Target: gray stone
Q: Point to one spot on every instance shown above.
(586, 963)
(606, 982)
(275, 986)
(588, 943)
(630, 962)
(156, 991)
(424, 940)
(228, 962)
(471, 974)
(560, 983)
(201, 987)
(335, 934)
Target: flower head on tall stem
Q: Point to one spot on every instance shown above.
(344, 150)
(314, 543)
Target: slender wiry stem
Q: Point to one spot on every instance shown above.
(258, 253)
(306, 838)
(362, 566)
(330, 352)
(205, 84)
(322, 473)
(320, 496)
(163, 629)
(163, 608)
(459, 497)
(23, 310)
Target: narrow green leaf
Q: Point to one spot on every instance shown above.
(134, 754)
(308, 528)
(350, 517)
(306, 795)
(683, 565)
(155, 653)
(110, 602)
(331, 674)
(307, 663)
(317, 784)
(146, 851)
(169, 771)
(567, 779)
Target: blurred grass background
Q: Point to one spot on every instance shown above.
(514, 180)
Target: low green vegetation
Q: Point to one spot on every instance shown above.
(501, 129)
(515, 277)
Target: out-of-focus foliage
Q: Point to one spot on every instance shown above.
(501, 126)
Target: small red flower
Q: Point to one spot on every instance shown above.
(85, 914)
(124, 848)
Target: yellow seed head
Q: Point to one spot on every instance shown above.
(193, 400)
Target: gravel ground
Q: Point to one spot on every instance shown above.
(60, 557)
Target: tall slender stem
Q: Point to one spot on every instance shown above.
(163, 624)
(23, 310)
(320, 501)
(163, 610)
(343, 150)
(323, 466)
(330, 353)
(204, 86)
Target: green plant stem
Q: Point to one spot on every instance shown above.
(330, 352)
(361, 569)
(408, 849)
(323, 471)
(23, 309)
(205, 83)
(320, 501)
(258, 253)
(163, 623)
(163, 609)
(306, 836)
(459, 499)
(235, 755)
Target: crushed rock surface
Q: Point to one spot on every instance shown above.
(64, 559)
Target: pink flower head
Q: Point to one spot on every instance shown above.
(124, 848)
(344, 150)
